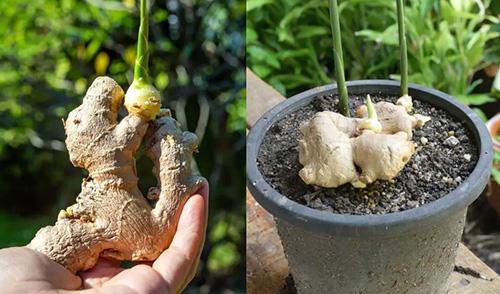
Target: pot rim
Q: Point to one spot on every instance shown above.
(401, 222)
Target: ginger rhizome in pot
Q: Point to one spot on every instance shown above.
(335, 150)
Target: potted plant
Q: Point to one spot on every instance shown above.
(391, 235)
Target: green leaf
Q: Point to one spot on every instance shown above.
(101, 63)
(311, 31)
(426, 6)
(223, 257)
(286, 54)
(278, 85)
(237, 114)
(253, 4)
(474, 99)
(263, 55)
(261, 70)
(496, 157)
(480, 113)
(444, 40)
(251, 35)
(389, 36)
(92, 48)
(495, 89)
(161, 81)
(496, 175)
(475, 48)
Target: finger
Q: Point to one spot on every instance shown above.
(175, 263)
(204, 191)
(104, 270)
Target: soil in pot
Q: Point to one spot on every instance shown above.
(445, 156)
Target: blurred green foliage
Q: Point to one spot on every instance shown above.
(50, 53)
(290, 45)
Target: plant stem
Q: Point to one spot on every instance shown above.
(142, 57)
(371, 109)
(338, 58)
(402, 48)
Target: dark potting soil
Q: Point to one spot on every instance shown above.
(441, 162)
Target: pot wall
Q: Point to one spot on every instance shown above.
(410, 251)
(418, 263)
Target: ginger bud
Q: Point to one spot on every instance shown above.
(143, 100)
(406, 102)
(371, 122)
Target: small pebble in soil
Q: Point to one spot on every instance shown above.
(451, 141)
(447, 154)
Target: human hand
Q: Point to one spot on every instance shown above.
(26, 271)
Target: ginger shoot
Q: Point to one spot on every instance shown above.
(142, 98)
(371, 122)
(338, 58)
(405, 99)
(402, 48)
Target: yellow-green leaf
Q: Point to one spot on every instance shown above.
(101, 63)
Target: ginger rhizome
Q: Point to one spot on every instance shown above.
(335, 150)
(111, 217)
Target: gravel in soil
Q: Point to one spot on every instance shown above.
(445, 156)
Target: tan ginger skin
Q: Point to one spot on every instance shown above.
(332, 145)
(111, 217)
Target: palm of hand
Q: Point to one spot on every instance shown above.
(24, 270)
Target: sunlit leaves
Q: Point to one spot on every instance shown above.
(223, 257)
(101, 63)
(161, 81)
(237, 114)
(448, 41)
(475, 99)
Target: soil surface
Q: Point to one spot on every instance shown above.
(438, 166)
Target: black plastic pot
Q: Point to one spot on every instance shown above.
(403, 252)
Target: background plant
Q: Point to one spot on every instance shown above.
(52, 50)
(448, 41)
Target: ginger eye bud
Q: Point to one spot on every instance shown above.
(143, 99)
(371, 122)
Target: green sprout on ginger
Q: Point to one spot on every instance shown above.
(371, 122)
(142, 98)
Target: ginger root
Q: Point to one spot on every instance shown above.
(111, 217)
(377, 142)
